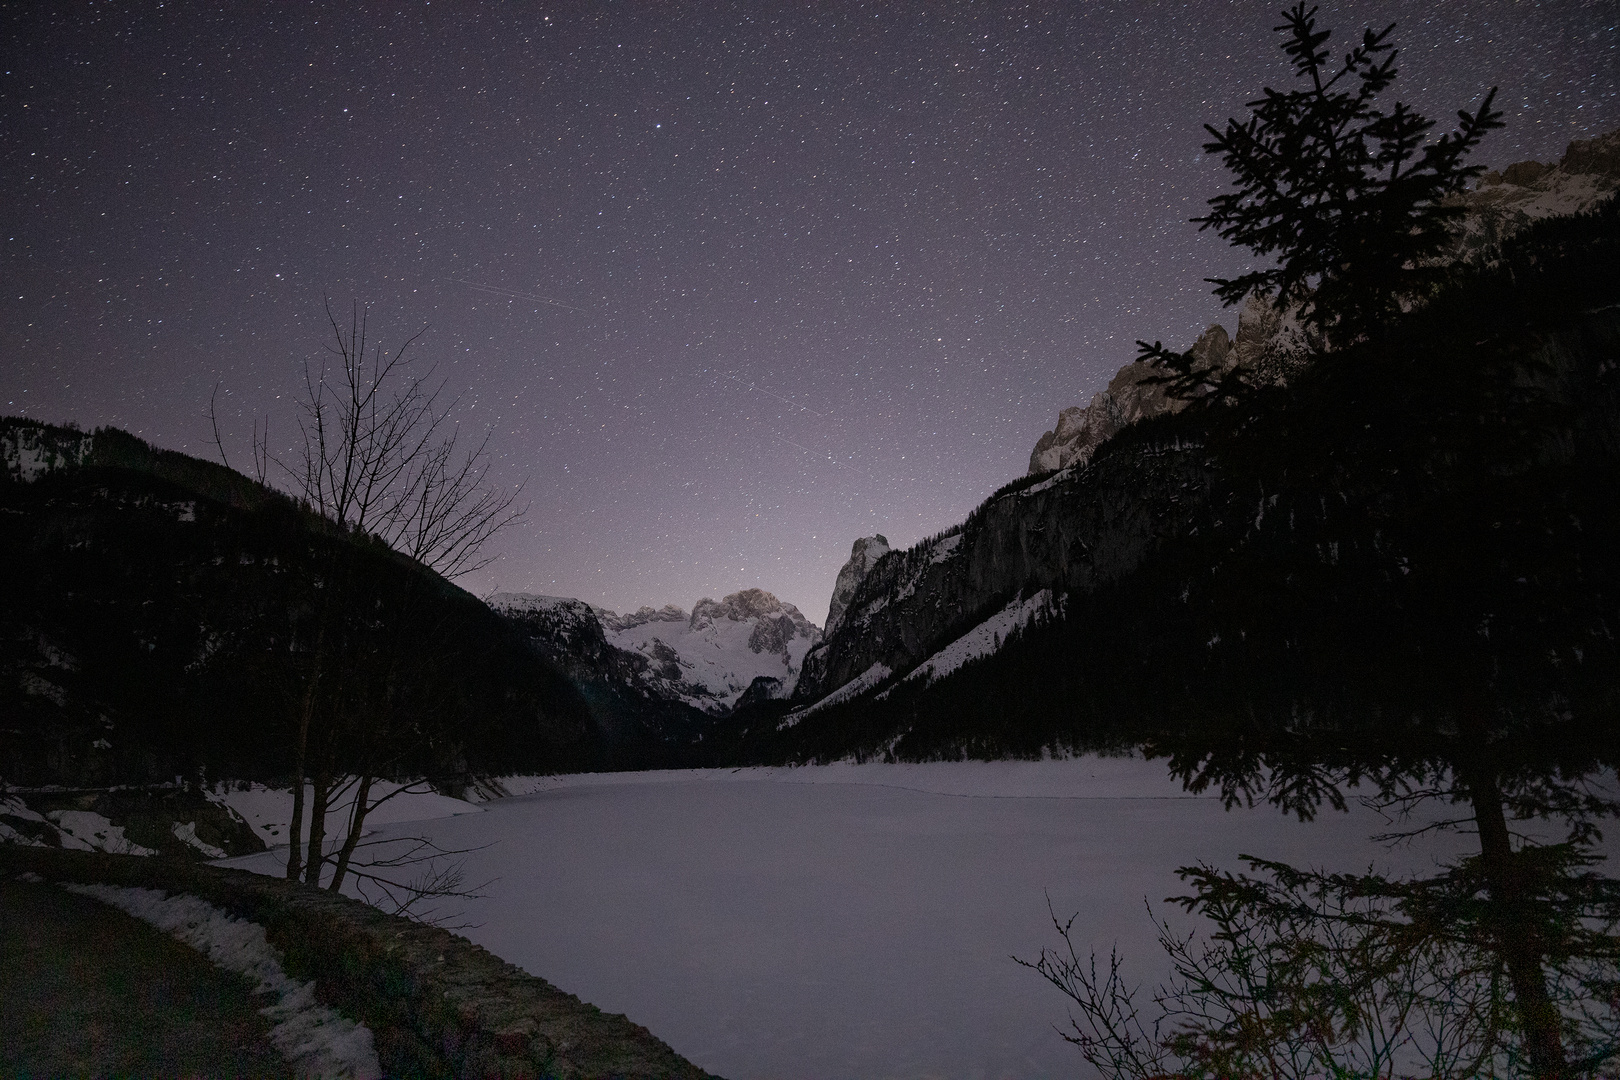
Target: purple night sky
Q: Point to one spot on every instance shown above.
(729, 284)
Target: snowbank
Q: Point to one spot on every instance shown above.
(315, 1040)
(435, 1004)
(93, 832)
(1086, 777)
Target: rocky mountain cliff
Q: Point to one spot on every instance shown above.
(862, 557)
(1071, 531)
(1272, 345)
(749, 643)
(1268, 341)
(1504, 202)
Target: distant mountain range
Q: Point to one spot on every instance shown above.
(747, 645)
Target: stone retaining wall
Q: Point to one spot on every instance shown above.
(438, 1005)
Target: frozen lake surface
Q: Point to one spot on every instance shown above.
(853, 922)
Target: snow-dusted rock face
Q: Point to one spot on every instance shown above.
(862, 557)
(1129, 398)
(669, 613)
(1019, 556)
(708, 659)
(986, 638)
(572, 634)
(27, 452)
(1272, 344)
(563, 619)
(1506, 201)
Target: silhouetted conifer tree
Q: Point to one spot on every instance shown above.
(1348, 198)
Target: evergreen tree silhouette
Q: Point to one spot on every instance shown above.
(1346, 195)
(1349, 199)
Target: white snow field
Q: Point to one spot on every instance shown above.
(269, 810)
(854, 922)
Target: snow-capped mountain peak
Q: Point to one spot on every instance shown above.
(712, 656)
(708, 658)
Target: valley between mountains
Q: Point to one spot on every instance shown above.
(1111, 492)
(1127, 496)
(1302, 574)
(158, 603)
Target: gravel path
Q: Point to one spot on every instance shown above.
(86, 990)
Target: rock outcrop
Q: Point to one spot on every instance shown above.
(1130, 397)
(1272, 345)
(862, 557)
(1070, 532)
(573, 635)
(669, 613)
(1504, 202)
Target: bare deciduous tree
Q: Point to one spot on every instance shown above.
(379, 456)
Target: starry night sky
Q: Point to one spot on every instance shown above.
(729, 284)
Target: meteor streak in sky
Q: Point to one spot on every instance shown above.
(768, 393)
(514, 294)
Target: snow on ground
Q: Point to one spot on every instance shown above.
(849, 922)
(945, 549)
(11, 806)
(983, 639)
(9, 835)
(94, 833)
(187, 834)
(866, 680)
(1087, 777)
(269, 810)
(315, 1040)
(505, 787)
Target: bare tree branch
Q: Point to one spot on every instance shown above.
(213, 421)
(378, 456)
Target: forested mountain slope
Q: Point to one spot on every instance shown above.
(160, 610)
(1443, 494)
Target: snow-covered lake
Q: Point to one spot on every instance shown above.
(852, 922)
